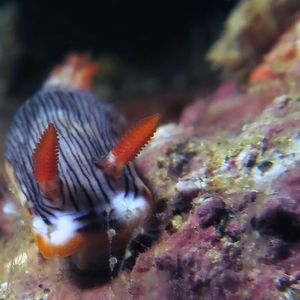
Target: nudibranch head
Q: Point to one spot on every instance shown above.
(74, 175)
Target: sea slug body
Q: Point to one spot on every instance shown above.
(73, 172)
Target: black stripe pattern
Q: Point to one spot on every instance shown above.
(87, 130)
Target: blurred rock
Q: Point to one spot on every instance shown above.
(250, 31)
(279, 69)
(242, 232)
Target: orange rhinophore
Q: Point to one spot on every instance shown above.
(45, 161)
(129, 145)
(132, 142)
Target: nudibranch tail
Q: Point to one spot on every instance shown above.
(129, 145)
(45, 162)
(77, 72)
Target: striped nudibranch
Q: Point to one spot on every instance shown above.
(73, 174)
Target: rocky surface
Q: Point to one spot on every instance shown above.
(230, 175)
(227, 184)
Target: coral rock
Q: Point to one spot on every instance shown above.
(211, 211)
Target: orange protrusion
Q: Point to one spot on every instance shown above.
(261, 73)
(76, 72)
(132, 142)
(45, 164)
(45, 156)
(49, 250)
(84, 77)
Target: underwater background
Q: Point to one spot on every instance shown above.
(223, 166)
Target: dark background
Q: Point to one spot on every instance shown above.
(139, 31)
(151, 39)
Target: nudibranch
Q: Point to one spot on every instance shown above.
(73, 173)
